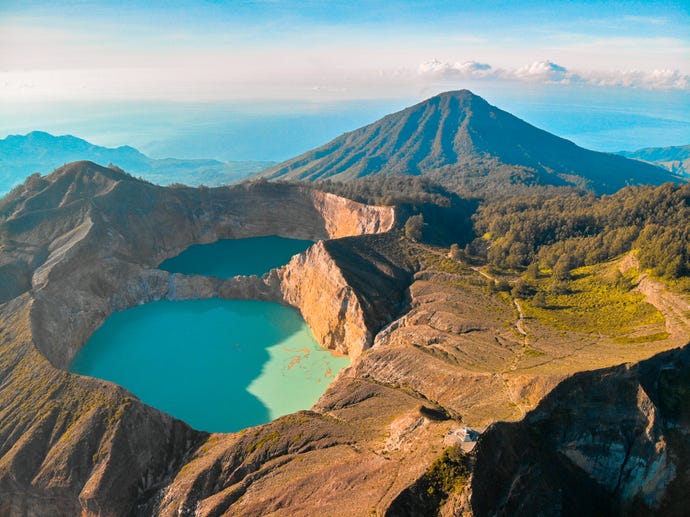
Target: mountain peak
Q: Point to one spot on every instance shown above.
(458, 94)
(460, 140)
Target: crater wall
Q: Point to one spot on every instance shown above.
(106, 261)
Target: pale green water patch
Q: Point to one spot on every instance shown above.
(292, 372)
(219, 365)
(230, 257)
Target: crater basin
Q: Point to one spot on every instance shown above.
(219, 365)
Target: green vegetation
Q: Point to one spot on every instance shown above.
(549, 228)
(447, 474)
(591, 303)
(414, 227)
(447, 216)
(568, 230)
(265, 441)
(388, 190)
(649, 338)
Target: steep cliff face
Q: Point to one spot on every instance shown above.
(314, 283)
(607, 441)
(346, 289)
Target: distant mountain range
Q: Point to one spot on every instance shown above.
(463, 142)
(456, 139)
(22, 155)
(675, 159)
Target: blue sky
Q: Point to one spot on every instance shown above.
(252, 79)
(319, 50)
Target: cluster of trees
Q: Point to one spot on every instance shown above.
(558, 228)
(388, 190)
(582, 229)
(435, 215)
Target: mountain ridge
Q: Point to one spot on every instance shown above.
(39, 151)
(675, 158)
(434, 353)
(459, 138)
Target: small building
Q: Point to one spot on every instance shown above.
(461, 435)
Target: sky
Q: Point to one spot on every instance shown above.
(313, 54)
(219, 50)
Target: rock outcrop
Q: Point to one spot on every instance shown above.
(610, 441)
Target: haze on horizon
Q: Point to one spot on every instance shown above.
(74, 60)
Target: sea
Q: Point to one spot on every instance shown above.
(602, 119)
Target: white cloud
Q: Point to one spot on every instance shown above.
(466, 69)
(649, 80)
(548, 72)
(542, 71)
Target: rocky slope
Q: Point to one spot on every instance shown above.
(626, 427)
(432, 351)
(461, 141)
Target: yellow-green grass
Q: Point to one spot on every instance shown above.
(594, 304)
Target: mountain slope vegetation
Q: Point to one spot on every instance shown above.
(464, 143)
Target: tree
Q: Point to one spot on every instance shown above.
(532, 272)
(557, 287)
(414, 227)
(457, 253)
(503, 286)
(539, 300)
(517, 255)
(521, 289)
(562, 268)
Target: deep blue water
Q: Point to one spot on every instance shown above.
(229, 257)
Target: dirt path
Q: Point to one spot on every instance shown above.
(520, 323)
(520, 327)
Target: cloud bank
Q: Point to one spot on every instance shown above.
(547, 72)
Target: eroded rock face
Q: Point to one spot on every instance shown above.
(611, 441)
(314, 283)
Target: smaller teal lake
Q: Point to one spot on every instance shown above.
(230, 257)
(219, 365)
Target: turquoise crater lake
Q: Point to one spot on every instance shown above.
(219, 365)
(230, 257)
